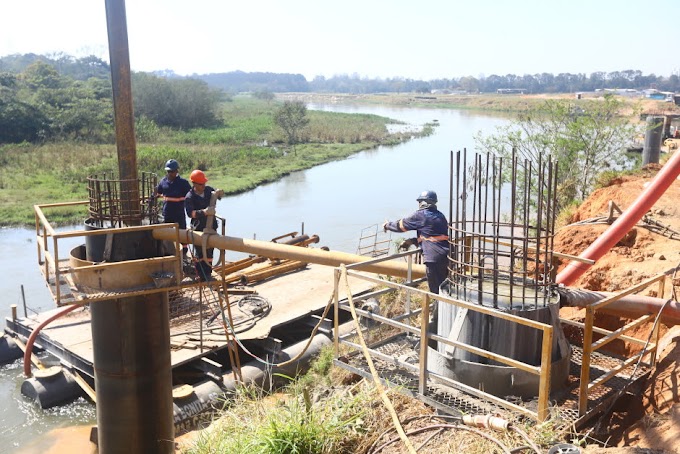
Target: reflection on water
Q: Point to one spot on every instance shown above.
(336, 201)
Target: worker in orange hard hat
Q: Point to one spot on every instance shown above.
(198, 208)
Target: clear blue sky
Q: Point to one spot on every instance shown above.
(417, 39)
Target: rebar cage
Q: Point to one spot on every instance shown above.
(502, 230)
(118, 203)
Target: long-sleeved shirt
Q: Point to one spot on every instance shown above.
(432, 230)
(194, 202)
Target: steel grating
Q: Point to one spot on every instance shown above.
(445, 398)
(564, 407)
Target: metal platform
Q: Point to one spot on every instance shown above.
(196, 327)
(448, 399)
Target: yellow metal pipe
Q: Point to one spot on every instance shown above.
(285, 251)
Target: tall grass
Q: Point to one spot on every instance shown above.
(307, 417)
(247, 151)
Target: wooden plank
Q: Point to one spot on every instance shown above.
(34, 359)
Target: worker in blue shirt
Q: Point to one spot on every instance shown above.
(433, 237)
(173, 189)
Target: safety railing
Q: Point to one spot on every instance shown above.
(586, 386)
(50, 261)
(422, 331)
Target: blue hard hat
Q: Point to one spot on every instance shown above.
(172, 165)
(429, 196)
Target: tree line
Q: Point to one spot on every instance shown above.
(239, 81)
(537, 83)
(58, 97)
(41, 103)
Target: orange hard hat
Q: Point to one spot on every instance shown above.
(197, 176)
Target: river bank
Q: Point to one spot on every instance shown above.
(490, 102)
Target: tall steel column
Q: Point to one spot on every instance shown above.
(130, 336)
(122, 100)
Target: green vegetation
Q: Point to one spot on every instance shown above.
(292, 118)
(246, 151)
(176, 103)
(262, 82)
(308, 417)
(40, 104)
(585, 140)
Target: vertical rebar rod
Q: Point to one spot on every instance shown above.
(554, 215)
(539, 217)
(527, 215)
(459, 244)
(480, 230)
(497, 226)
(513, 199)
(544, 228)
(450, 218)
(550, 227)
(477, 228)
(463, 215)
(489, 228)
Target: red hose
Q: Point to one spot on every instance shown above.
(647, 198)
(34, 334)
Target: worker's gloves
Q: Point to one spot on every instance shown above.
(210, 211)
(219, 194)
(406, 244)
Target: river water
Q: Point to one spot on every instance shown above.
(335, 200)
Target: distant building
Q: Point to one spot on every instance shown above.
(653, 93)
(511, 91)
(630, 92)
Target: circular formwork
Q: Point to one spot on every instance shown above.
(119, 278)
(501, 337)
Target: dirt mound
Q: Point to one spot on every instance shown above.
(652, 422)
(644, 252)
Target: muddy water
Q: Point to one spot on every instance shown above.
(335, 201)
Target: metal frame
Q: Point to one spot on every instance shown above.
(543, 371)
(589, 346)
(50, 260)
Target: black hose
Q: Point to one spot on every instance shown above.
(526, 438)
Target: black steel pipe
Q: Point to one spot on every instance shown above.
(130, 336)
(133, 375)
